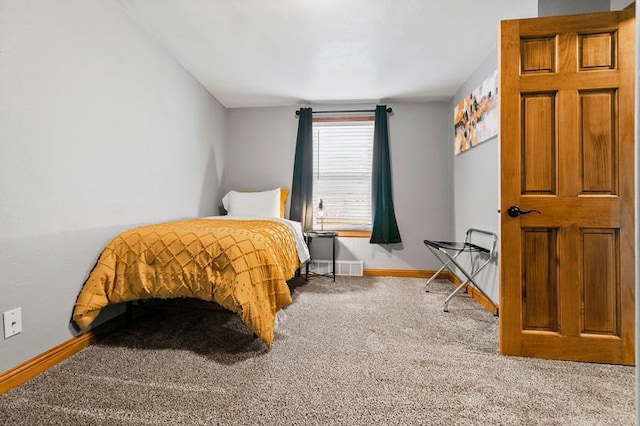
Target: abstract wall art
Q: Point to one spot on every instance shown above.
(476, 116)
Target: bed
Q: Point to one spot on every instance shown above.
(242, 262)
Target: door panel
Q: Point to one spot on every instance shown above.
(597, 51)
(538, 143)
(539, 280)
(538, 55)
(599, 165)
(600, 283)
(567, 274)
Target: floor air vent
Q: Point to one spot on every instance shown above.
(352, 268)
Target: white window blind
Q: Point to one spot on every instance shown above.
(342, 158)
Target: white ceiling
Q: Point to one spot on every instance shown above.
(289, 52)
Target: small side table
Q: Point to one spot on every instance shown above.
(309, 236)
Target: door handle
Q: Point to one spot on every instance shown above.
(514, 211)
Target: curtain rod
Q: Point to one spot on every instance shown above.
(389, 110)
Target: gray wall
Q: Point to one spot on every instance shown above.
(100, 130)
(476, 180)
(620, 4)
(260, 148)
(260, 152)
(571, 7)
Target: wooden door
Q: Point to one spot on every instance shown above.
(567, 130)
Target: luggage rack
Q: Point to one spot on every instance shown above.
(448, 251)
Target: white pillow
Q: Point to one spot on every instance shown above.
(255, 204)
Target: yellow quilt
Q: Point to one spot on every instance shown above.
(241, 264)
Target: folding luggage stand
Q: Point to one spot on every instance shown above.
(447, 252)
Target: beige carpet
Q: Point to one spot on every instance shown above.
(361, 351)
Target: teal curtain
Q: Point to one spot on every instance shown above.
(385, 229)
(302, 185)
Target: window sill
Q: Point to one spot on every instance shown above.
(354, 234)
(348, 234)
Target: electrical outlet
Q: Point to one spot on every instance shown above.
(12, 322)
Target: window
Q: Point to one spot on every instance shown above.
(342, 158)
